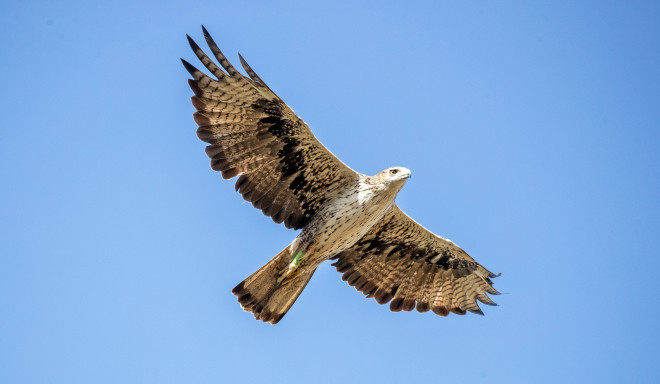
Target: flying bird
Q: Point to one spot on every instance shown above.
(343, 215)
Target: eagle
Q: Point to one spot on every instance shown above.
(342, 215)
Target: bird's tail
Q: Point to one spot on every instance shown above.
(266, 294)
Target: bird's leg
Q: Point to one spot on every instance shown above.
(292, 267)
(296, 260)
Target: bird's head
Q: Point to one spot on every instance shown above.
(394, 176)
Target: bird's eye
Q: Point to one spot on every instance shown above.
(394, 171)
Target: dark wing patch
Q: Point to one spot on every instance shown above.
(283, 169)
(400, 261)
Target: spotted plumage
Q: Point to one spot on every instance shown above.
(284, 171)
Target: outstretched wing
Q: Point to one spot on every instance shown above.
(400, 260)
(284, 170)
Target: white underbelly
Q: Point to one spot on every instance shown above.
(342, 223)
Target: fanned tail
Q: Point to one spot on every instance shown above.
(264, 296)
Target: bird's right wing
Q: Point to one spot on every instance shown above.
(284, 170)
(402, 261)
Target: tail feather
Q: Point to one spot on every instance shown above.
(268, 299)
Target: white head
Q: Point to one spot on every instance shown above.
(393, 176)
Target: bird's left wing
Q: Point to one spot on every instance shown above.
(283, 169)
(400, 260)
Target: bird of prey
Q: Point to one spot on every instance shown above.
(343, 215)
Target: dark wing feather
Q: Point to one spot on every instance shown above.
(284, 170)
(400, 261)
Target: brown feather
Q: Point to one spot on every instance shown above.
(400, 262)
(254, 133)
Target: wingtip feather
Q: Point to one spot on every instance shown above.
(187, 65)
(206, 33)
(477, 311)
(194, 72)
(192, 43)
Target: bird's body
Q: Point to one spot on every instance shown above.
(346, 218)
(343, 215)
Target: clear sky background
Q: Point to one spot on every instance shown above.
(532, 130)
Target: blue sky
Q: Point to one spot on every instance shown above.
(532, 131)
